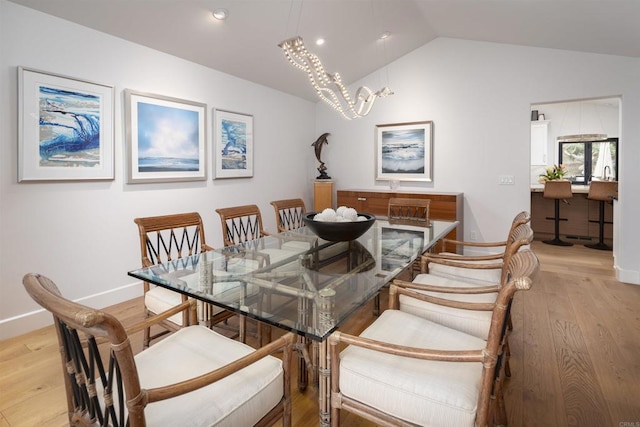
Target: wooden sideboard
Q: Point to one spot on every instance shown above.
(444, 206)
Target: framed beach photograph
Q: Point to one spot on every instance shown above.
(404, 151)
(166, 138)
(65, 128)
(232, 144)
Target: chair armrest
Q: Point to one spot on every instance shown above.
(456, 257)
(190, 305)
(398, 350)
(395, 291)
(284, 344)
(262, 258)
(476, 244)
(447, 289)
(426, 259)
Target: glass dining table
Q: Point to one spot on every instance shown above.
(298, 282)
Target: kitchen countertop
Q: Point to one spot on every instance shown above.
(576, 189)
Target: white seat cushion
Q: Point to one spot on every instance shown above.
(159, 299)
(238, 400)
(427, 393)
(473, 322)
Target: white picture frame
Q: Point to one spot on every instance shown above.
(166, 138)
(65, 128)
(232, 144)
(404, 151)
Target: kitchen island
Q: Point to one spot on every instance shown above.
(581, 214)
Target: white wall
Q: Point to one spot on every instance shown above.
(479, 97)
(81, 234)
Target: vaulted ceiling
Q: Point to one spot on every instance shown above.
(245, 44)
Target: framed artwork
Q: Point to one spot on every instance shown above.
(65, 128)
(166, 138)
(404, 151)
(232, 145)
(400, 245)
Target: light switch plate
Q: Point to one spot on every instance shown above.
(506, 180)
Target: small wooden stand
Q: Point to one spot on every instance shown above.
(322, 195)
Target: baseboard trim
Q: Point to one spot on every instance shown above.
(627, 276)
(27, 322)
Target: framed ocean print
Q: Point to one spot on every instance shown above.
(166, 138)
(404, 151)
(232, 144)
(65, 128)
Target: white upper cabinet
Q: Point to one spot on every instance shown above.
(539, 142)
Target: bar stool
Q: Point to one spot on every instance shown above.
(557, 190)
(602, 191)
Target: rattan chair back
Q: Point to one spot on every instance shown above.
(289, 214)
(241, 224)
(408, 211)
(78, 327)
(169, 237)
(523, 217)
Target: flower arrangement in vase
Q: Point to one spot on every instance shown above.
(553, 173)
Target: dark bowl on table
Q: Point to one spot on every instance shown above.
(338, 231)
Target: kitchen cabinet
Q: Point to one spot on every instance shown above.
(444, 206)
(539, 142)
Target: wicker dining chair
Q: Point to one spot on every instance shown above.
(407, 370)
(523, 217)
(480, 289)
(486, 268)
(192, 377)
(242, 225)
(289, 214)
(408, 211)
(172, 238)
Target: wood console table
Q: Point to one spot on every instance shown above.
(444, 206)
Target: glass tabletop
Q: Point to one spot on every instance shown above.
(295, 280)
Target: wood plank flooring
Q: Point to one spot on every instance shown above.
(575, 353)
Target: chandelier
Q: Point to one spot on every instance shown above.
(329, 87)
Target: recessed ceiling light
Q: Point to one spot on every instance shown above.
(385, 35)
(319, 41)
(220, 14)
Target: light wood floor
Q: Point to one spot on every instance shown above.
(575, 353)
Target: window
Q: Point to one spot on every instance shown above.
(588, 160)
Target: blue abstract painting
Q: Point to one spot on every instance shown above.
(234, 144)
(403, 151)
(168, 139)
(69, 128)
